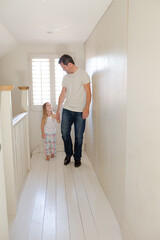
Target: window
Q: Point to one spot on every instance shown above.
(46, 80)
(41, 81)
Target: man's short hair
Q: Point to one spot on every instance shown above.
(65, 59)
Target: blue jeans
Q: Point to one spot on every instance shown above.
(68, 118)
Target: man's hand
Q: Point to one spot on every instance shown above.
(43, 135)
(85, 113)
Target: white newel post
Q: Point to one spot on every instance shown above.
(7, 143)
(24, 98)
(24, 108)
(3, 201)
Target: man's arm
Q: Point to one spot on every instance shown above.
(60, 101)
(88, 100)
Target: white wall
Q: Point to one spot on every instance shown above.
(106, 58)
(14, 70)
(142, 210)
(7, 42)
(112, 115)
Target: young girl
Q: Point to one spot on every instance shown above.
(48, 127)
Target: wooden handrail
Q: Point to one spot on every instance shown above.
(23, 87)
(6, 88)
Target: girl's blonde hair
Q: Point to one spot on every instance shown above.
(44, 117)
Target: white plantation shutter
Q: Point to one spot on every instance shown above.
(40, 81)
(46, 80)
(59, 74)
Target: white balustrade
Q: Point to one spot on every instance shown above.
(14, 154)
(20, 150)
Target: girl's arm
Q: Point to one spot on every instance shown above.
(54, 116)
(42, 128)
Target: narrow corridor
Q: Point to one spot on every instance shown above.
(63, 203)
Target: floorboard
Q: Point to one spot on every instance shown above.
(63, 203)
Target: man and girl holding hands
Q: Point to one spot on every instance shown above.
(76, 96)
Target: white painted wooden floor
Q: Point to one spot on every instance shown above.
(63, 203)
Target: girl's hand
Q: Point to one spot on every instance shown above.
(53, 116)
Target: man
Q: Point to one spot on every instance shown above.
(77, 95)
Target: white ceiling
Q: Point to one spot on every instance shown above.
(49, 20)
